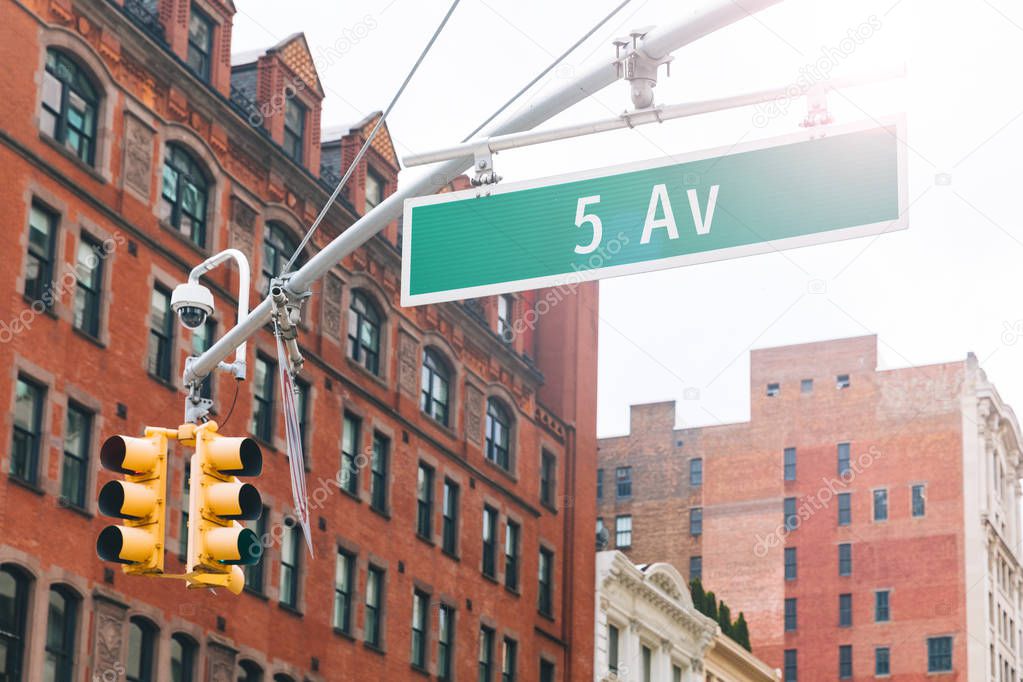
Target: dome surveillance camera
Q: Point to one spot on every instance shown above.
(193, 303)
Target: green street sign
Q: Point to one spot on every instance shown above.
(820, 185)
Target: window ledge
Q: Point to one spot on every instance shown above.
(549, 507)
(507, 473)
(288, 608)
(353, 496)
(187, 241)
(420, 670)
(375, 648)
(385, 513)
(359, 367)
(257, 593)
(72, 157)
(513, 591)
(451, 555)
(89, 337)
(491, 578)
(81, 511)
(546, 616)
(163, 382)
(344, 634)
(26, 484)
(426, 540)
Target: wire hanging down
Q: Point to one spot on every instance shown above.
(365, 147)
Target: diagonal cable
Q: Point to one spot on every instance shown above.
(369, 140)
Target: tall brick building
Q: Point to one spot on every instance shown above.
(131, 148)
(866, 521)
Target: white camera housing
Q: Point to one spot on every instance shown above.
(193, 303)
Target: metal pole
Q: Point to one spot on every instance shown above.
(657, 43)
(631, 119)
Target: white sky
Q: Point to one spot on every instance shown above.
(944, 287)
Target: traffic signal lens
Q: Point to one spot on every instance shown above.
(126, 500)
(235, 501)
(127, 455)
(124, 545)
(234, 546)
(235, 456)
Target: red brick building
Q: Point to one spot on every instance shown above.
(866, 521)
(131, 148)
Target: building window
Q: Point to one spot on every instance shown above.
(696, 472)
(844, 509)
(28, 425)
(791, 515)
(263, 399)
(449, 539)
(424, 502)
(882, 661)
(344, 586)
(489, 541)
(623, 532)
(486, 653)
(882, 606)
(200, 43)
(806, 386)
(351, 441)
(185, 194)
(14, 588)
(202, 340)
(881, 504)
(508, 662)
(374, 604)
(184, 654)
(696, 521)
(600, 484)
(844, 610)
(791, 666)
(445, 641)
(42, 235)
(612, 648)
(547, 671)
(290, 548)
(498, 433)
(845, 663)
(505, 310)
(420, 613)
(378, 465)
(161, 334)
(364, 332)
(141, 650)
(548, 477)
(842, 381)
(790, 464)
(791, 564)
(70, 105)
(253, 572)
(623, 482)
(919, 500)
(302, 408)
(545, 578)
(89, 285)
(791, 621)
(436, 378)
(511, 555)
(773, 390)
(278, 247)
(294, 129)
(250, 672)
(61, 630)
(696, 568)
(374, 190)
(843, 458)
(75, 470)
(845, 559)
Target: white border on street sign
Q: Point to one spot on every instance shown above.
(576, 277)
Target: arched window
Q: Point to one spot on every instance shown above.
(281, 677)
(436, 380)
(184, 652)
(498, 426)
(70, 105)
(141, 650)
(278, 245)
(61, 629)
(185, 194)
(250, 672)
(14, 587)
(364, 332)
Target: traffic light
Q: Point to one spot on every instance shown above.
(139, 499)
(217, 543)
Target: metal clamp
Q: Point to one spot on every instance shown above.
(639, 69)
(817, 112)
(287, 312)
(484, 167)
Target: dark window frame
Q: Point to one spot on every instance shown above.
(62, 653)
(188, 174)
(148, 634)
(791, 563)
(88, 303)
(789, 461)
(76, 496)
(25, 467)
(489, 539)
(623, 536)
(509, 660)
(498, 434)
(939, 654)
(424, 501)
(435, 391)
(289, 586)
(845, 662)
(450, 512)
(844, 455)
(696, 472)
(845, 610)
(160, 354)
(791, 614)
(918, 500)
(76, 83)
(199, 57)
(294, 139)
(189, 649)
(41, 257)
(351, 445)
(365, 331)
(882, 661)
(695, 521)
(445, 641)
(279, 245)
(512, 554)
(791, 666)
(545, 582)
(420, 628)
(623, 482)
(486, 653)
(346, 568)
(379, 466)
(548, 477)
(263, 417)
(845, 559)
(374, 604)
(844, 509)
(880, 504)
(882, 606)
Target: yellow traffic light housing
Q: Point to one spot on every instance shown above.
(139, 499)
(217, 543)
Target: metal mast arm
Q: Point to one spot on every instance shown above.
(655, 44)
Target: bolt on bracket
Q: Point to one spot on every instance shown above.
(484, 166)
(639, 69)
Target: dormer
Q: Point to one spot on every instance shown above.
(375, 179)
(281, 90)
(199, 33)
